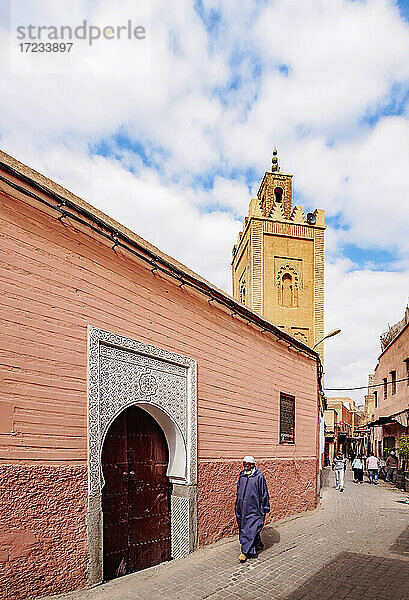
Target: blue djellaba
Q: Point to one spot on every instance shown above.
(252, 505)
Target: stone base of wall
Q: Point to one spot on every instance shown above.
(292, 486)
(43, 542)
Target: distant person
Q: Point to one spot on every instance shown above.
(392, 463)
(372, 466)
(358, 468)
(252, 505)
(382, 468)
(338, 466)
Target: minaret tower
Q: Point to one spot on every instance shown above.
(278, 261)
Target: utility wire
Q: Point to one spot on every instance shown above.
(364, 387)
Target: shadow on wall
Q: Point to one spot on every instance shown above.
(352, 575)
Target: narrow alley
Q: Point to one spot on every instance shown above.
(355, 545)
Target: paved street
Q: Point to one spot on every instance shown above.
(354, 546)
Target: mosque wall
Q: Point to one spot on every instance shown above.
(57, 279)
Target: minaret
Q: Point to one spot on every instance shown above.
(278, 261)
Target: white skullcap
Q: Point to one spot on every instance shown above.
(249, 459)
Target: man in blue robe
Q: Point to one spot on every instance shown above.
(252, 505)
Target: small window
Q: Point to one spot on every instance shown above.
(376, 399)
(406, 361)
(385, 388)
(243, 292)
(287, 419)
(393, 376)
(278, 193)
(243, 288)
(287, 290)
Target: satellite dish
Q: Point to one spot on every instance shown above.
(311, 218)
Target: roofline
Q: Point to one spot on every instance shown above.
(158, 260)
(392, 342)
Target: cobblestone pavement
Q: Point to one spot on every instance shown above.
(354, 546)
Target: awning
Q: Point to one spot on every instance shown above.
(382, 421)
(401, 418)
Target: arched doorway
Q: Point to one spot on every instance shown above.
(123, 372)
(136, 495)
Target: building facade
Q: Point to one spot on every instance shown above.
(369, 399)
(131, 390)
(278, 261)
(391, 388)
(343, 420)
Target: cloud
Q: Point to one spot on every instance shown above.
(339, 65)
(175, 147)
(361, 303)
(170, 216)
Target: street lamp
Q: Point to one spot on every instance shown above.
(330, 334)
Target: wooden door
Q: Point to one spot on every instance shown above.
(136, 495)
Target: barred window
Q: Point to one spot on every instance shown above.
(287, 419)
(385, 388)
(376, 399)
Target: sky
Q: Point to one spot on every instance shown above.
(171, 134)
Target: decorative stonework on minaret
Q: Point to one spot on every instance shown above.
(278, 261)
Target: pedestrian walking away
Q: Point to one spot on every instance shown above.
(338, 466)
(358, 469)
(372, 466)
(382, 468)
(252, 505)
(392, 463)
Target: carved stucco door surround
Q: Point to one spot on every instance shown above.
(123, 372)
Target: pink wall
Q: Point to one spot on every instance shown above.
(43, 544)
(56, 280)
(393, 359)
(291, 484)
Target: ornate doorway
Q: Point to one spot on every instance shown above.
(136, 495)
(128, 375)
